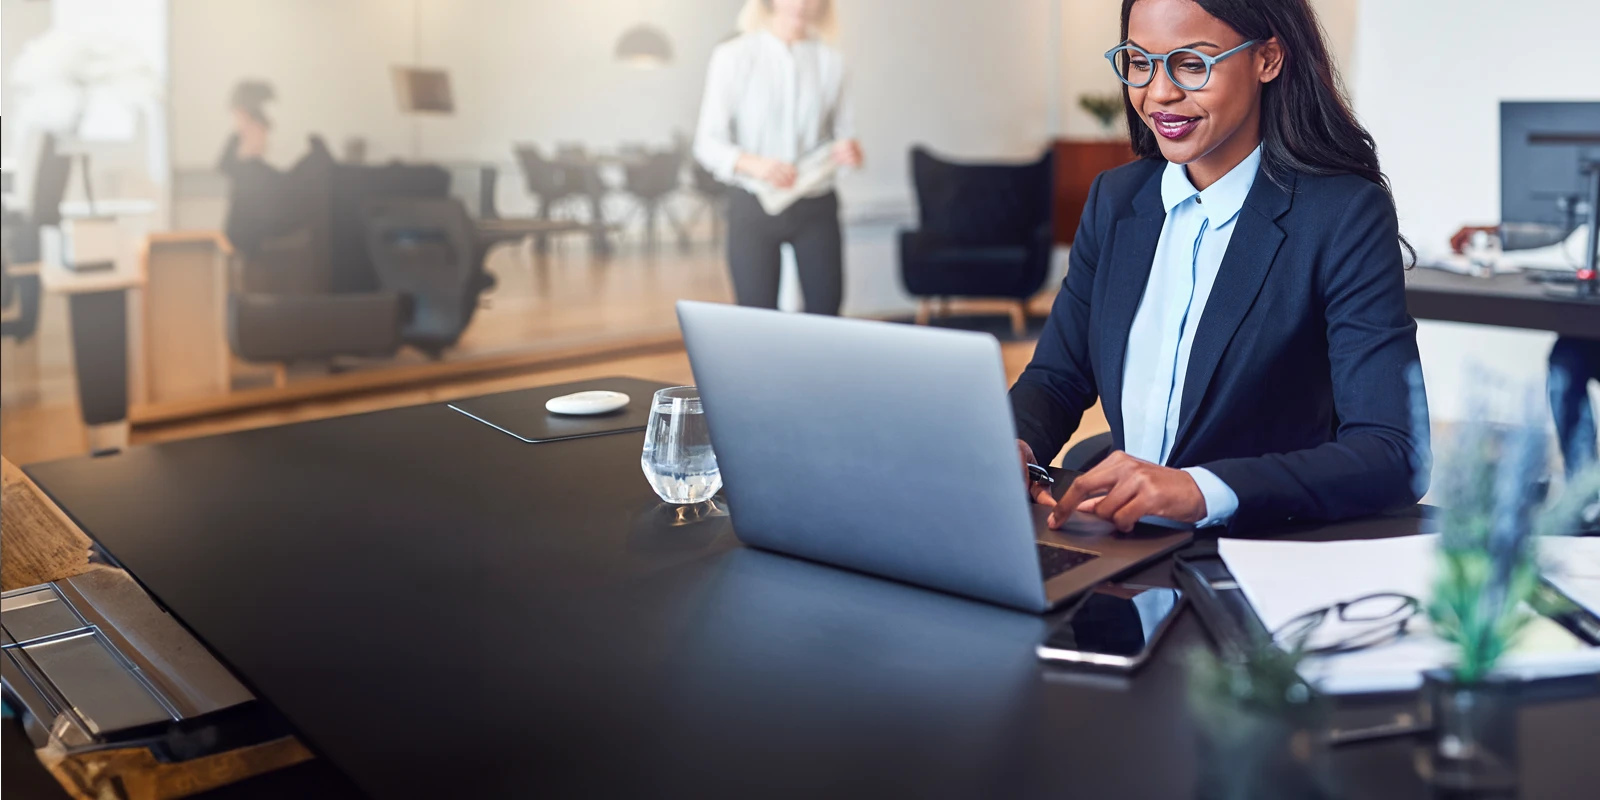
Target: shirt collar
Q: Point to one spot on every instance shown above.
(1220, 201)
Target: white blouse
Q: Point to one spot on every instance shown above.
(770, 99)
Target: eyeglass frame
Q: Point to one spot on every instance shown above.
(1166, 64)
(1410, 608)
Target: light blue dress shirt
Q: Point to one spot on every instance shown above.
(1196, 234)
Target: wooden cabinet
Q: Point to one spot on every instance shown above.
(181, 348)
(1077, 162)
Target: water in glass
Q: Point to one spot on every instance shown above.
(677, 457)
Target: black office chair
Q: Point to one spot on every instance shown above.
(1088, 454)
(475, 185)
(985, 232)
(51, 172)
(20, 242)
(312, 289)
(426, 250)
(19, 303)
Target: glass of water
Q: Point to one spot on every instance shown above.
(677, 457)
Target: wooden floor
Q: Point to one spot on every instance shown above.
(41, 434)
(565, 298)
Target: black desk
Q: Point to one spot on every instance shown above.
(444, 611)
(1510, 301)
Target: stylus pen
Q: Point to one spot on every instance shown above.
(1040, 475)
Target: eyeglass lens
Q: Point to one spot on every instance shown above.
(1186, 68)
(1367, 621)
(1375, 608)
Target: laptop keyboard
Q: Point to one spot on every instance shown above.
(1055, 559)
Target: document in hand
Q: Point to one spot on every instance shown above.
(1283, 580)
(813, 170)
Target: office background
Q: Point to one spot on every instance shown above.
(974, 81)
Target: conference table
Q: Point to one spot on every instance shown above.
(441, 610)
(1508, 300)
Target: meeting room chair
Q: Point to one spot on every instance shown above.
(547, 180)
(712, 200)
(984, 232)
(560, 185)
(652, 180)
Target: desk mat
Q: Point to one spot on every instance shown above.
(521, 413)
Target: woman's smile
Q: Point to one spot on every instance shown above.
(1173, 126)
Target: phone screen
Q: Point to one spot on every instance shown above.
(1114, 625)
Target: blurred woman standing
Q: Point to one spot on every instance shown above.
(775, 94)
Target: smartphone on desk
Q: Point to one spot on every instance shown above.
(1115, 626)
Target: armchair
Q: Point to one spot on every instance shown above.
(984, 232)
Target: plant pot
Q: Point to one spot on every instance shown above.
(1245, 754)
(1471, 745)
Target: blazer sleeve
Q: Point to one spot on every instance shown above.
(1378, 460)
(1058, 385)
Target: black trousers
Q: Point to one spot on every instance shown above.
(811, 226)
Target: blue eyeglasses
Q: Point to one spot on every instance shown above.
(1191, 73)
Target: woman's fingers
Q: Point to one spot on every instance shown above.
(1025, 457)
(1041, 494)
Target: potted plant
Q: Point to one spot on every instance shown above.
(1258, 725)
(1495, 507)
(1103, 107)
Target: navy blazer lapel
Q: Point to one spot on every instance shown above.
(1244, 269)
(1133, 252)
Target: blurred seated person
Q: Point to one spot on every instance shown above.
(1574, 362)
(263, 201)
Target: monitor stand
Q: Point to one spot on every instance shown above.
(1586, 284)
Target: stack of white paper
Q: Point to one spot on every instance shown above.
(1572, 565)
(1283, 580)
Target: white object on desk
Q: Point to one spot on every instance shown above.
(1572, 565)
(84, 244)
(1564, 256)
(586, 404)
(1283, 580)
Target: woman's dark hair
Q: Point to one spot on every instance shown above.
(1306, 125)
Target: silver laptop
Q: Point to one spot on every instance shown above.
(889, 449)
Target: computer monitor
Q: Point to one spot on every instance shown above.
(1550, 173)
(1543, 147)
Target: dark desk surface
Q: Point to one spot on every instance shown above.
(1510, 301)
(444, 611)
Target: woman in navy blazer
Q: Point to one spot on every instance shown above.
(1300, 396)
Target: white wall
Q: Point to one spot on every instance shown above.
(328, 59)
(1437, 129)
(967, 78)
(1088, 29)
(23, 20)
